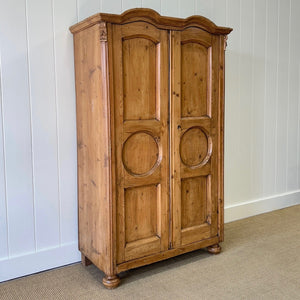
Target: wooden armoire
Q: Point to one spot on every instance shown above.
(150, 126)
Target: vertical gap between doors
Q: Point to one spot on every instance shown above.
(170, 131)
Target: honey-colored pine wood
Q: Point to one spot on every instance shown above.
(195, 57)
(140, 54)
(154, 18)
(93, 148)
(214, 249)
(111, 282)
(85, 261)
(150, 114)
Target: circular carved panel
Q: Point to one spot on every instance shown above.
(195, 147)
(140, 154)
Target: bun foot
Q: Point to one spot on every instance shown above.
(214, 249)
(111, 282)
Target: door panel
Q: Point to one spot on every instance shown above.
(139, 78)
(195, 79)
(194, 135)
(194, 194)
(140, 56)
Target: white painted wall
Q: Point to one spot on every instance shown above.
(38, 209)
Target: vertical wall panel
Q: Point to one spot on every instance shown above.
(293, 116)
(219, 12)
(245, 112)
(64, 14)
(232, 170)
(154, 4)
(271, 98)
(127, 4)
(283, 94)
(298, 151)
(170, 8)
(204, 8)
(112, 6)
(3, 208)
(44, 133)
(17, 131)
(258, 95)
(186, 8)
(86, 8)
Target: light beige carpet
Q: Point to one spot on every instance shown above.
(260, 260)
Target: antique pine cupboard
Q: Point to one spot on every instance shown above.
(150, 114)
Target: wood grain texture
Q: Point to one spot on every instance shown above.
(160, 105)
(111, 282)
(195, 61)
(165, 254)
(152, 17)
(141, 213)
(221, 125)
(195, 145)
(141, 141)
(193, 201)
(13, 69)
(140, 153)
(139, 57)
(94, 159)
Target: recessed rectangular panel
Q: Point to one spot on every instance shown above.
(193, 201)
(139, 78)
(141, 212)
(195, 80)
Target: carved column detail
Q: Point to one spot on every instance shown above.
(225, 41)
(103, 32)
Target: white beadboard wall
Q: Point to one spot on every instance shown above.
(38, 199)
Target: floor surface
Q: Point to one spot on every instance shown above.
(260, 260)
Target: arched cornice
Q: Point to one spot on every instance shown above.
(154, 18)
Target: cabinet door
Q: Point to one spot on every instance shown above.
(194, 135)
(140, 74)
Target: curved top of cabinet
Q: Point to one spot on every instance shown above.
(154, 18)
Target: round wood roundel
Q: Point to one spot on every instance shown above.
(195, 147)
(141, 154)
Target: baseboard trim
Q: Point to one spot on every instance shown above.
(14, 267)
(260, 206)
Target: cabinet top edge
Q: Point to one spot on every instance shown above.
(154, 18)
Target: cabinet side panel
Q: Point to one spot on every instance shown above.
(221, 109)
(93, 146)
